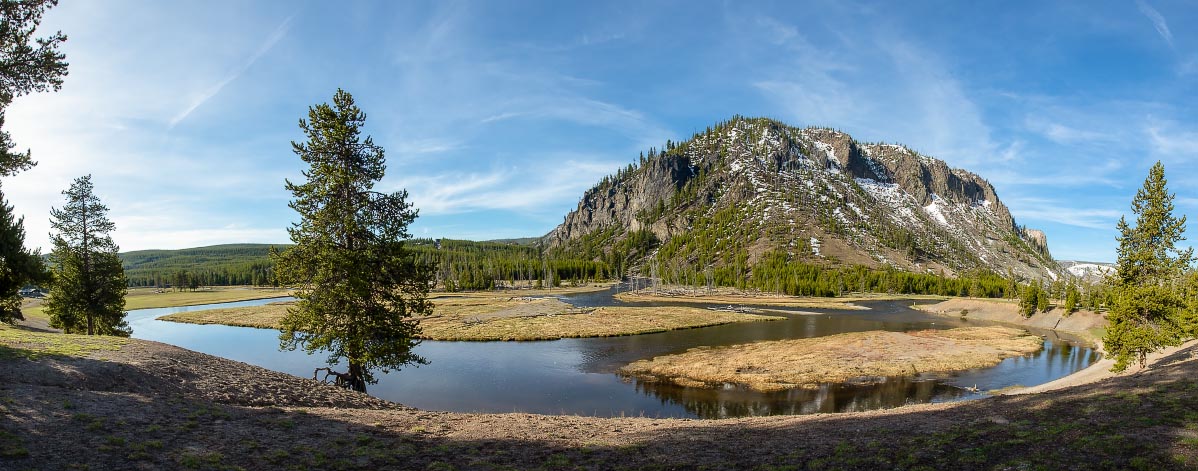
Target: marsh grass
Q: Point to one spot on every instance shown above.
(488, 317)
(786, 364)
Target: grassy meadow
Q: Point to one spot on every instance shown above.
(489, 316)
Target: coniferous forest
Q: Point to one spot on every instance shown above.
(469, 265)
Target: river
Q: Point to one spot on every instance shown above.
(578, 376)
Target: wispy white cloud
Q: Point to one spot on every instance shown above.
(1105, 173)
(276, 35)
(1062, 133)
(1169, 142)
(426, 146)
(501, 117)
(135, 238)
(1062, 212)
(1158, 21)
(919, 101)
(1012, 153)
(517, 189)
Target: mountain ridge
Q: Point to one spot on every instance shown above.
(751, 186)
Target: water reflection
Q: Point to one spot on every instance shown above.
(737, 401)
(578, 376)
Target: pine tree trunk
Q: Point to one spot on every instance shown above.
(357, 381)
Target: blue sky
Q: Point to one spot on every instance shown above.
(496, 116)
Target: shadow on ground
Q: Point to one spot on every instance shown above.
(169, 412)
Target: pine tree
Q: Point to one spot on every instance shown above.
(21, 266)
(1147, 311)
(359, 287)
(1029, 300)
(1072, 296)
(27, 65)
(87, 293)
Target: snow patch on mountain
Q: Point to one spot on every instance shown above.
(1090, 271)
(936, 210)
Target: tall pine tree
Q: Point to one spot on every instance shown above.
(358, 285)
(87, 294)
(27, 64)
(21, 266)
(1148, 312)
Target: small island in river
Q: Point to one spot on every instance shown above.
(787, 364)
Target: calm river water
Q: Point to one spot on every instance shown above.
(578, 376)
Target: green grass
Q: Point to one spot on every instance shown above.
(148, 298)
(21, 343)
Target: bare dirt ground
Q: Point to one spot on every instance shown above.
(788, 364)
(146, 405)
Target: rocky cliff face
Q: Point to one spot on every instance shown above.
(753, 185)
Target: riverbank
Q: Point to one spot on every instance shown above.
(146, 405)
(147, 298)
(787, 364)
(757, 298)
(1085, 324)
(485, 317)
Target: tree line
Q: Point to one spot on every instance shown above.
(470, 265)
(461, 265)
(218, 265)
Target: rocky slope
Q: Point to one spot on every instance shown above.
(1090, 272)
(750, 186)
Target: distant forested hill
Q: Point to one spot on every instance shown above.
(217, 265)
(461, 264)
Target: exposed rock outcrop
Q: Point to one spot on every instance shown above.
(761, 184)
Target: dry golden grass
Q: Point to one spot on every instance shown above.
(484, 305)
(145, 298)
(534, 319)
(266, 316)
(786, 364)
(600, 322)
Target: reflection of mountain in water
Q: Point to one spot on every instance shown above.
(736, 401)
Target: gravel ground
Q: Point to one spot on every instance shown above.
(154, 406)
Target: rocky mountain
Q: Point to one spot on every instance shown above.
(752, 186)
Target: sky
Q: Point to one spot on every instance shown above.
(497, 116)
